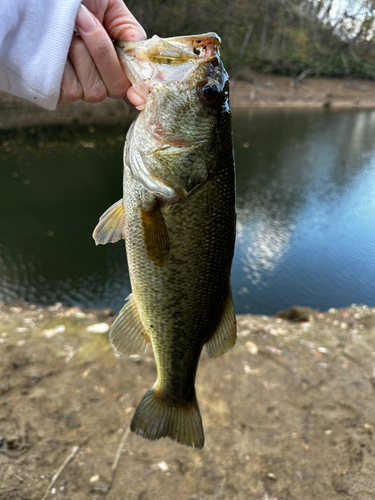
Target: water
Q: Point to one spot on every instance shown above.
(306, 209)
(306, 212)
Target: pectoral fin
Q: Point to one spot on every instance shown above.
(155, 234)
(127, 334)
(225, 335)
(111, 226)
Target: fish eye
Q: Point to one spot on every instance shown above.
(208, 91)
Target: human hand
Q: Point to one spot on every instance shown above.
(93, 70)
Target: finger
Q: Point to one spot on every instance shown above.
(93, 87)
(119, 21)
(102, 52)
(135, 98)
(71, 89)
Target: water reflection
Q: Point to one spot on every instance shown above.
(306, 218)
(305, 209)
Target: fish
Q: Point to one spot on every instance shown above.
(178, 218)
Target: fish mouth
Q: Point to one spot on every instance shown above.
(174, 50)
(166, 59)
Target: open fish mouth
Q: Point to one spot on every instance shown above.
(165, 60)
(175, 50)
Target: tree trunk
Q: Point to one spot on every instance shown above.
(264, 31)
(246, 40)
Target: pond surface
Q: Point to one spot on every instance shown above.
(306, 212)
(306, 209)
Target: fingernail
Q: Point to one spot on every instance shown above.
(85, 20)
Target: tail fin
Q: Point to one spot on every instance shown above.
(157, 416)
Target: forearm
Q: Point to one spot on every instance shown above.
(35, 36)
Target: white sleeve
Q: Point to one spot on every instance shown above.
(35, 36)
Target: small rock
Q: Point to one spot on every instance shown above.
(252, 348)
(163, 466)
(98, 328)
(369, 428)
(54, 331)
(16, 310)
(55, 307)
(28, 321)
(74, 312)
(21, 330)
(272, 476)
(95, 478)
(101, 486)
(273, 350)
(296, 313)
(86, 372)
(134, 357)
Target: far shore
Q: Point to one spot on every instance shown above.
(262, 91)
(250, 90)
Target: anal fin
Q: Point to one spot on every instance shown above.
(127, 335)
(111, 226)
(225, 335)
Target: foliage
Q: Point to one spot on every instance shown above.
(280, 36)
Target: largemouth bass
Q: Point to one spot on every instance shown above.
(177, 216)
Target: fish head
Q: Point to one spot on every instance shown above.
(179, 77)
(173, 146)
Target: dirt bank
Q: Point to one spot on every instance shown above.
(15, 112)
(278, 91)
(250, 90)
(288, 414)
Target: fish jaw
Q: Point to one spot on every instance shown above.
(163, 60)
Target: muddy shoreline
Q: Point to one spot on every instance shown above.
(250, 90)
(288, 412)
